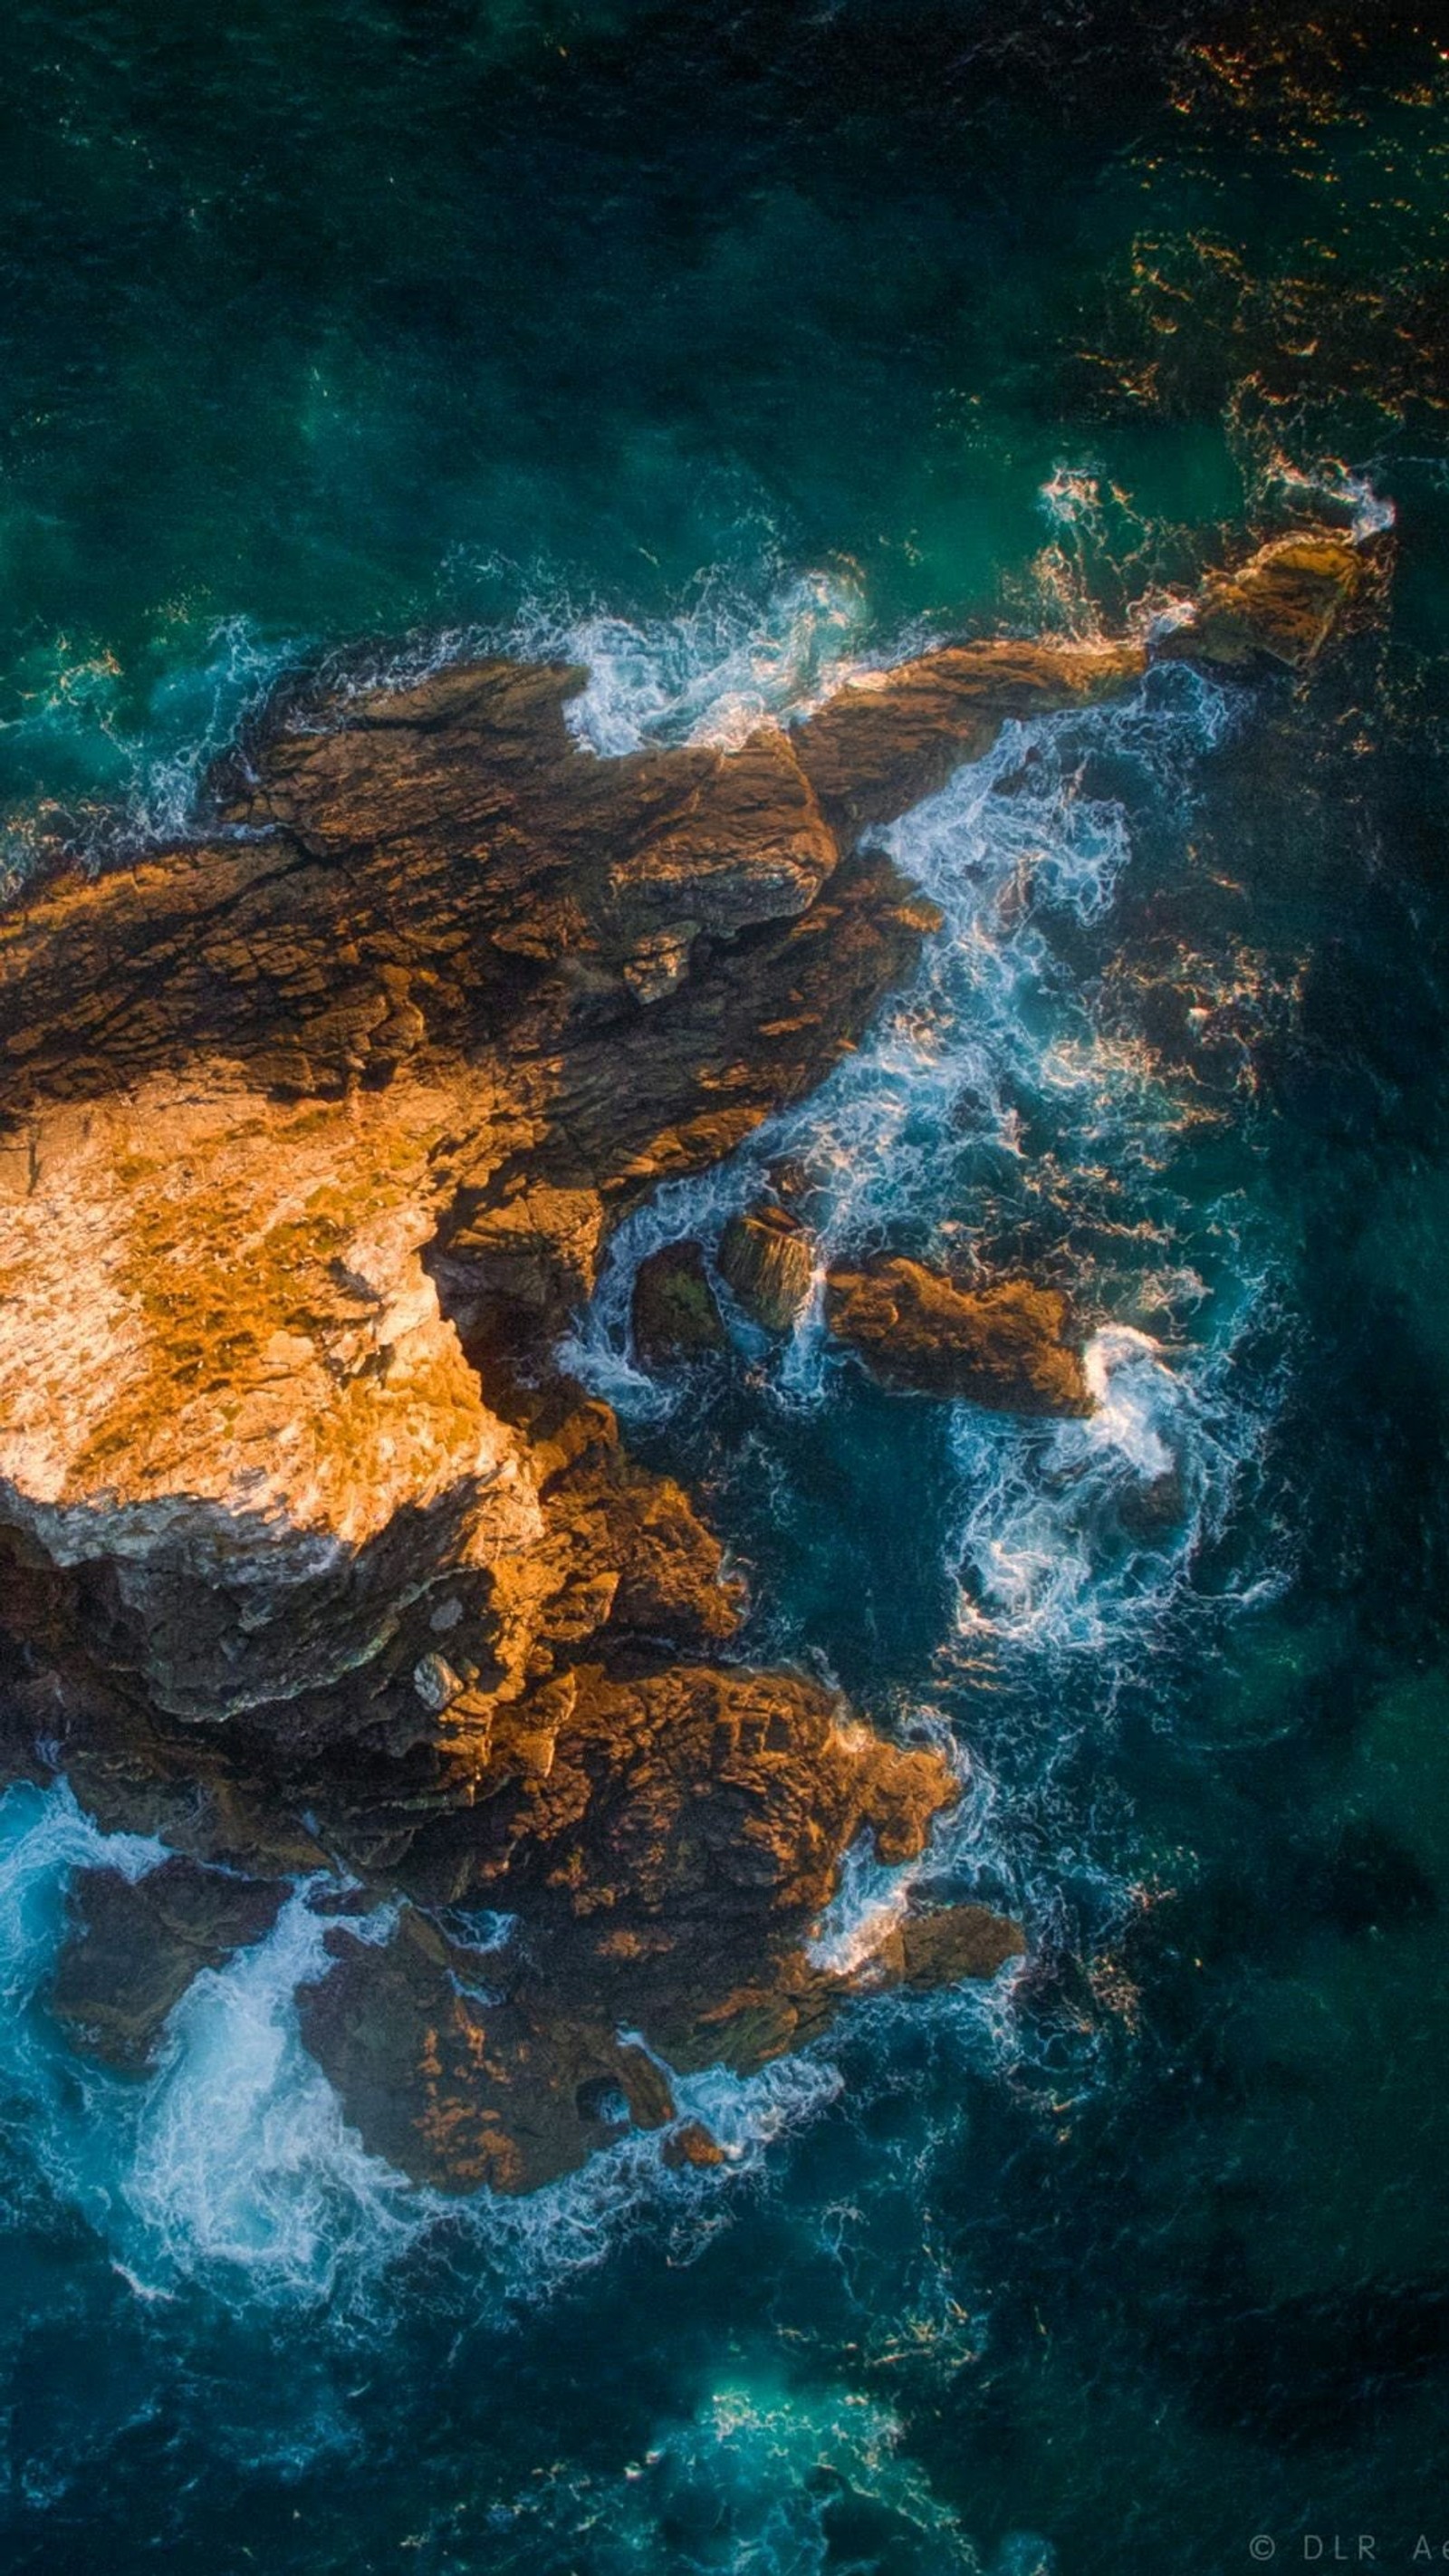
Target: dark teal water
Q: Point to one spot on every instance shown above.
(729, 344)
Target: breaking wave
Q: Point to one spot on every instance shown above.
(996, 1103)
(229, 2164)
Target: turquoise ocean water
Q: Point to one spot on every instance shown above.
(727, 347)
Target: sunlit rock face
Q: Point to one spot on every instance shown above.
(230, 1388)
(1008, 1346)
(292, 1110)
(1282, 605)
(314, 1131)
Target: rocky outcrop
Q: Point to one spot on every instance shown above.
(245, 1333)
(1282, 605)
(767, 1260)
(885, 742)
(673, 1313)
(1007, 1347)
(464, 2068)
(668, 1869)
(313, 1130)
(458, 2084)
(133, 1948)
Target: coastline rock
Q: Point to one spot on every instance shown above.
(767, 1260)
(1282, 605)
(883, 743)
(458, 2086)
(1004, 1347)
(955, 1941)
(691, 2144)
(669, 1868)
(132, 1948)
(313, 1133)
(673, 1314)
(313, 1129)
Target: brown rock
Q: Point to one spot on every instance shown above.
(673, 1312)
(704, 1795)
(132, 1949)
(954, 1942)
(692, 2144)
(303, 1127)
(312, 1135)
(1282, 605)
(1004, 1347)
(885, 742)
(768, 1260)
(459, 2086)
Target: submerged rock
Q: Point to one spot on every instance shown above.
(767, 1259)
(673, 1313)
(1005, 1347)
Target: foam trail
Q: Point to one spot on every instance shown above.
(871, 1899)
(138, 776)
(1370, 513)
(931, 1109)
(232, 2155)
(719, 669)
(1078, 1535)
(240, 2158)
(43, 1836)
(995, 1097)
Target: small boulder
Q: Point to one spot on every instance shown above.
(768, 1260)
(956, 1941)
(674, 1314)
(691, 2144)
(1004, 1347)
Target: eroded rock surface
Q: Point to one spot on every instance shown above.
(668, 1871)
(1281, 606)
(133, 1948)
(674, 1314)
(1007, 1347)
(313, 1131)
(767, 1258)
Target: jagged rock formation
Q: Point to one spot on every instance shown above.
(312, 1132)
(1282, 605)
(133, 1948)
(768, 1261)
(1007, 1347)
(673, 1311)
(465, 2068)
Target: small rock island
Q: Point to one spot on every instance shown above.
(313, 1132)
